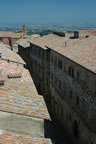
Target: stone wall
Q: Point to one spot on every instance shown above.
(9, 41)
(22, 124)
(68, 88)
(72, 91)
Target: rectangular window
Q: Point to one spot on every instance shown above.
(52, 77)
(60, 64)
(72, 73)
(31, 49)
(69, 70)
(55, 60)
(78, 76)
(52, 58)
(39, 52)
(60, 84)
(47, 58)
(70, 94)
(47, 82)
(55, 80)
(42, 54)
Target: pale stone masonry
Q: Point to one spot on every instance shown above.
(64, 71)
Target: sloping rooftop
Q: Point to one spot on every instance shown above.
(7, 137)
(33, 36)
(19, 95)
(89, 32)
(11, 34)
(46, 40)
(81, 51)
(7, 54)
(23, 42)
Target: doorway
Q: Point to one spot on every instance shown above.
(76, 130)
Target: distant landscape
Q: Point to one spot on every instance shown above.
(45, 29)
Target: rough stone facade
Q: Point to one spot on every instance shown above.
(68, 87)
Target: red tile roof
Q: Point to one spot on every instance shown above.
(82, 51)
(21, 91)
(7, 54)
(89, 32)
(20, 96)
(11, 34)
(13, 138)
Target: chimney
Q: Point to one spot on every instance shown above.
(65, 43)
(76, 34)
(24, 29)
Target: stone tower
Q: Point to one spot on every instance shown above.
(24, 29)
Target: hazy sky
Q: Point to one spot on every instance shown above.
(48, 11)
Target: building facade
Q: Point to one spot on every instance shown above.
(66, 75)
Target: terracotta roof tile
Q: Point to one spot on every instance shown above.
(7, 54)
(46, 40)
(11, 34)
(81, 51)
(19, 95)
(14, 138)
(89, 32)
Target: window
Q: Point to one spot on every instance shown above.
(55, 60)
(78, 76)
(39, 53)
(42, 54)
(52, 77)
(60, 64)
(95, 87)
(31, 49)
(47, 82)
(70, 94)
(55, 80)
(52, 58)
(47, 58)
(76, 130)
(69, 70)
(72, 73)
(60, 84)
(77, 101)
(62, 112)
(70, 117)
(34, 51)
